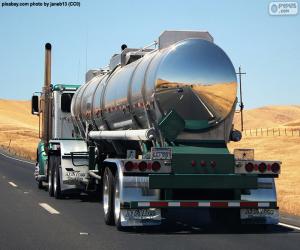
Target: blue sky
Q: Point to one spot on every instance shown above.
(267, 47)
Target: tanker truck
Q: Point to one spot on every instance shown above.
(150, 132)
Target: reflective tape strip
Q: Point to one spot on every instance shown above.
(143, 204)
(233, 204)
(174, 204)
(216, 204)
(189, 204)
(204, 204)
(219, 204)
(248, 204)
(263, 204)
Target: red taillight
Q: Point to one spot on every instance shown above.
(262, 167)
(193, 163)
(142, 166)
(275, 167)
(129, 166)
(203, 163)
(156, 166)
(249, 167)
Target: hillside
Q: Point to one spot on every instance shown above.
(270, 117)
(18, 128)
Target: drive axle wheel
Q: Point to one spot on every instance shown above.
(108, 197)
(50, 176)
(117, 203)
(40, 185)
(56, 179)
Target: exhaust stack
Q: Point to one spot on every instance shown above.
(46, 97)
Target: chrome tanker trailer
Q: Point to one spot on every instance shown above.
(151, 129)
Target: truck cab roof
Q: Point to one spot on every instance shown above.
(67, 87)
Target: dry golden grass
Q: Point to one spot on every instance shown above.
(283, 148)
(18, 128)
(270, 117)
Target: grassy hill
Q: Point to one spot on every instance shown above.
(18, 128)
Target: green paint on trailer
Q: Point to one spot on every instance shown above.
(182, 157)
(202, 181)
(196, 124)
(171, 125)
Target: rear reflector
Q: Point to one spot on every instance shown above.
(193, 163)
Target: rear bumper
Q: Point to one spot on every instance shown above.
(200, 204)
(202, 181)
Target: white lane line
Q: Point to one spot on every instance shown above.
(50, 209)
(84, 233)
(12, 184)
(289, 226)
(16, 159)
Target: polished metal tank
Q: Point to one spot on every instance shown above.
(193, 77)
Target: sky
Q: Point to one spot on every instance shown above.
(85, 37)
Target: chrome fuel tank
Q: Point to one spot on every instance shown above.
(194, 77)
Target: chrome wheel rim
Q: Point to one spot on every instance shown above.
(117, 200)
(105, 194)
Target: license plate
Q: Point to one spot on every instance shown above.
(161, 153)
(142, 214)
(258, 213)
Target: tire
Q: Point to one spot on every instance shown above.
(56, 179)
(50, 176)
(40, 185)
(108, 197)
(117, 204)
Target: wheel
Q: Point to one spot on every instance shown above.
(117, 203)
(40, 185)
(50, 176)
(56, 179)
(108, 197)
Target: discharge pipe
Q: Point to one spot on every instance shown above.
(133, 135)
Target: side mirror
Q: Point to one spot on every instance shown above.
(35, 105)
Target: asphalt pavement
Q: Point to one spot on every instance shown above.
(30, 219)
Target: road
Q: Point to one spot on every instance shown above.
(77, 223)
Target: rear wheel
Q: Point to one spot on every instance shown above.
(40, 185)
(108, 197)
(50, 175)
(117, 203)
(56, 179)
